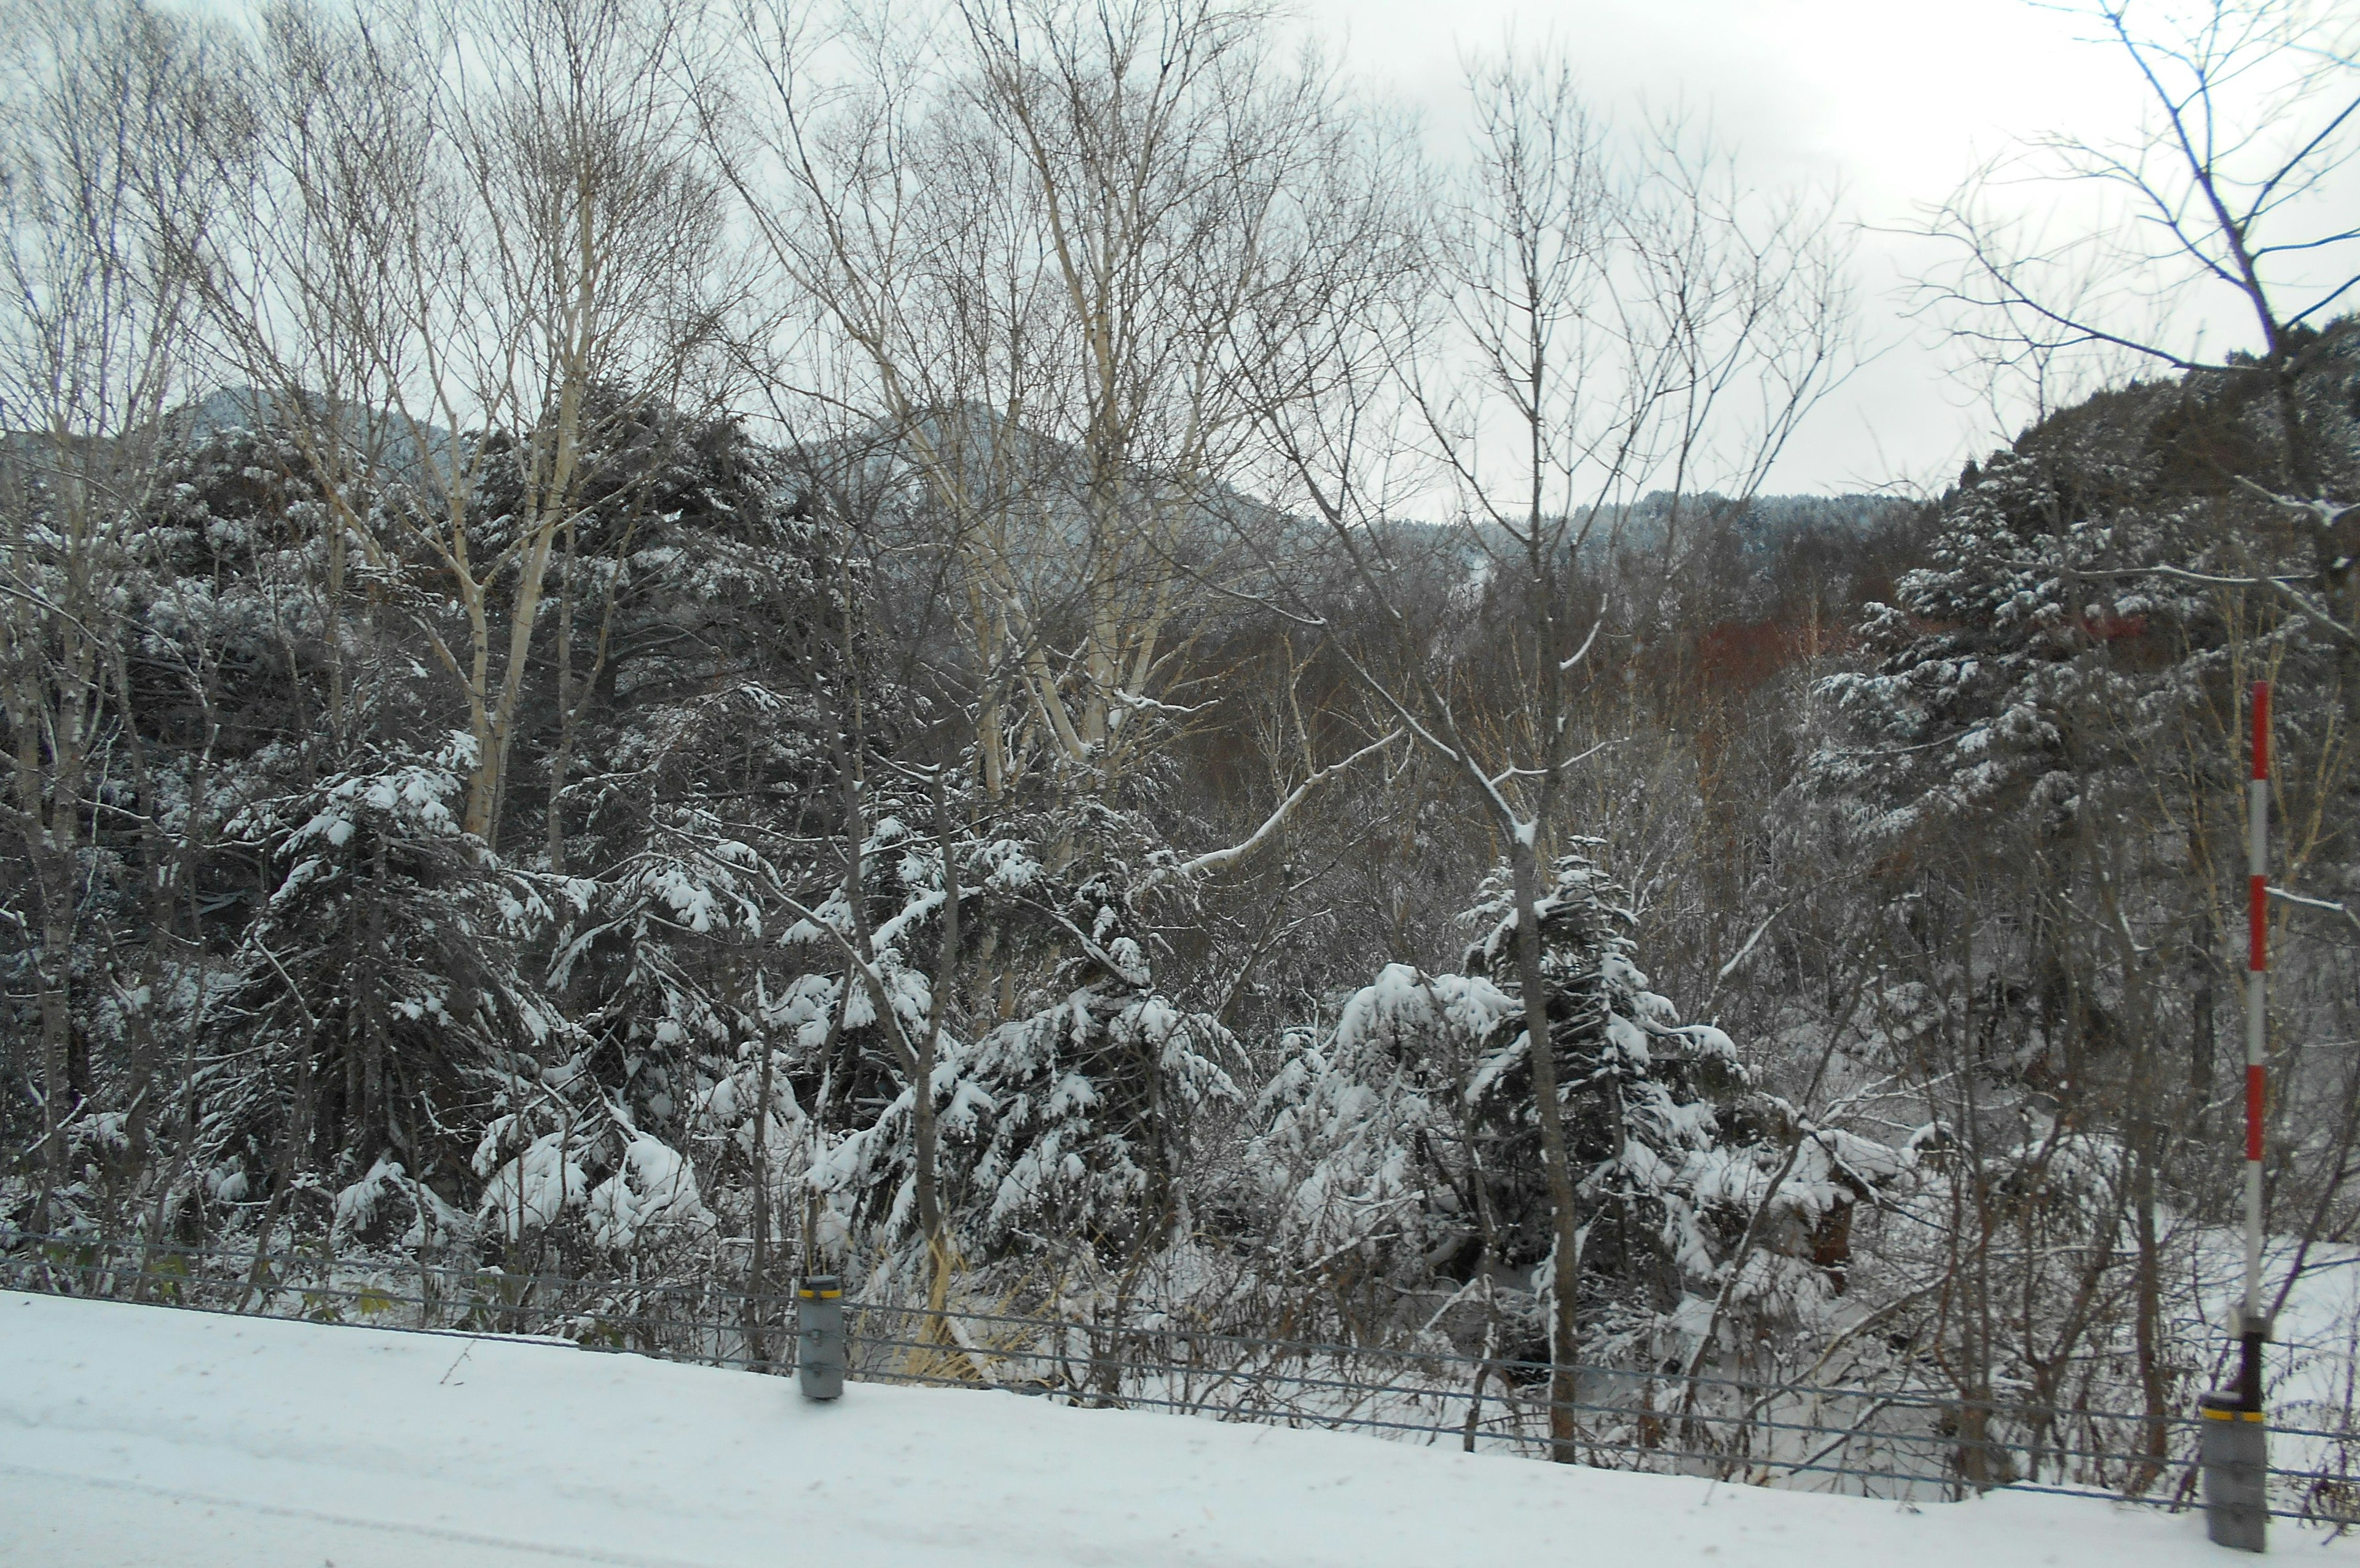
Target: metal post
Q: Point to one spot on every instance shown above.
(2235, 1437)
(819, 1337)
(2252, 1329)
(2235, 1456)
(2257, 1022)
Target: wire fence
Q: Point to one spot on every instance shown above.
(1901, 1444)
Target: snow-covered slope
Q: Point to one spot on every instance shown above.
(141, 1435)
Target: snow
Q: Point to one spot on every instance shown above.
(2313, 1362)
(653, 1188)
(133, 1434)
(532, 1189)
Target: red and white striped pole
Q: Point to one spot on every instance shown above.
(2252, 1329)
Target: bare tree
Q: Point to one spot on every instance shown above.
(2229, 199)
(1610, 304)
(2233, 191)
(103, 145)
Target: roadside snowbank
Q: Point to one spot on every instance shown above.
(140, 1435)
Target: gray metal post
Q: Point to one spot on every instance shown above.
(819, 1337)
(2235, 1460)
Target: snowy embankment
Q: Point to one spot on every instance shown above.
(142, 1436)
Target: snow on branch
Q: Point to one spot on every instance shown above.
(2325, 906)
(1583, 652)
(1141, 704)
(1218, 860)
(2325, 515)
(1746, 951)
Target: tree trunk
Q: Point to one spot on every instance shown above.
(373, 1115)
(1565, 1255)
(2148, 1325)
(2203, 1030)
(759, 1275)
(562, 756)
(55, 970)
(921, 1122)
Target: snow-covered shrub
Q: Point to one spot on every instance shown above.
(1407, 1142)
(1063, 1130)
(387, 1205)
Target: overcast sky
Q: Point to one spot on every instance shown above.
(1896, 98)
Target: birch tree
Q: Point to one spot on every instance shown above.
(1032, 234)
(461, 226)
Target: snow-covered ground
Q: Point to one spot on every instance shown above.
(2314, 1365)
(144, 1435)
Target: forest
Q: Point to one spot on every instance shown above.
(1003, 648)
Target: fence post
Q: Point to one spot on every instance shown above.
(819, 1337)
(2235, 1456)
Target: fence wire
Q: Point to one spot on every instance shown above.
(1901, 1444)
